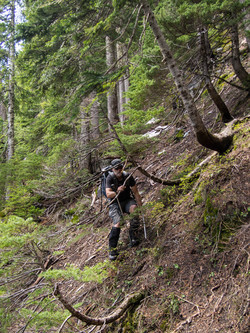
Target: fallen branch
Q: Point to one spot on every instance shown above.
(131, 299)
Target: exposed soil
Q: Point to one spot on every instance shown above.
(194, 263)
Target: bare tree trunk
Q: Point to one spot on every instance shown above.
(204, 49)
(10, 112)
(121, 99)
(112, 94)
(89, 113)
(126, 82)
(246, 24)
(94, 116)
(240, 71)
(3, 114)
(123, 84)
(121, 87)
(205, 138)
(95, 129)
(85, 161)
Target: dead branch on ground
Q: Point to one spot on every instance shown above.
(131, 299)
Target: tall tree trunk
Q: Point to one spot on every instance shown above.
(121, 86)
(112, 94)
(94, 116)
(94, 129)
(126, 83)
(246, 24)
(85, 161)
(121, 99)
(240, 71)
(205, 138)
(218, 101)
(11, 98)
(3, 114)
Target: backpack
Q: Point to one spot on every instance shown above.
(105, 172)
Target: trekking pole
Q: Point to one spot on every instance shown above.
(144, 226)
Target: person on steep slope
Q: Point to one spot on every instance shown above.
(120, 184)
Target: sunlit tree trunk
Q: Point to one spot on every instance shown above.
(11, 95)
(240, 71)
(204, 137)
(246, 24)
(112, 94)
(121, 87)
(126, 83)
(3, 114)
(121, 99)
(218, 101)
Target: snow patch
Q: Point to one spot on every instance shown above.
(152, 121)
(157, 131)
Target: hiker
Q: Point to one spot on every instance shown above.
(124, 202)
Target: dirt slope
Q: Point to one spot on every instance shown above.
(194, 263)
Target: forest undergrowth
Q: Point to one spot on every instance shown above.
(192, 269)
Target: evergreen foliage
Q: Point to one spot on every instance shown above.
(60, 62)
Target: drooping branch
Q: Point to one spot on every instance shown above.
(131, 299)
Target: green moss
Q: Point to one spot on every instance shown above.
(200, 193)
(131, 322)
(179, 135)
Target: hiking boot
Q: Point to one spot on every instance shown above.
(113, 241)
(113, 254)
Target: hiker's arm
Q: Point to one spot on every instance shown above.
(111, 193)
(137, 195)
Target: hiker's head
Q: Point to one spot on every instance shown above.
(117, 165)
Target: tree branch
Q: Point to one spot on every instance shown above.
(131, 299)
(135, 164)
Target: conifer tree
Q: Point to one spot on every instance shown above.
(112, 101)
(7, 8)
(205, 49)
(11, 98)
(204, 137)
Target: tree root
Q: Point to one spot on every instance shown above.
(131, 299)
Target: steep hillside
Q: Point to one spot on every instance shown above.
(193, 268)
